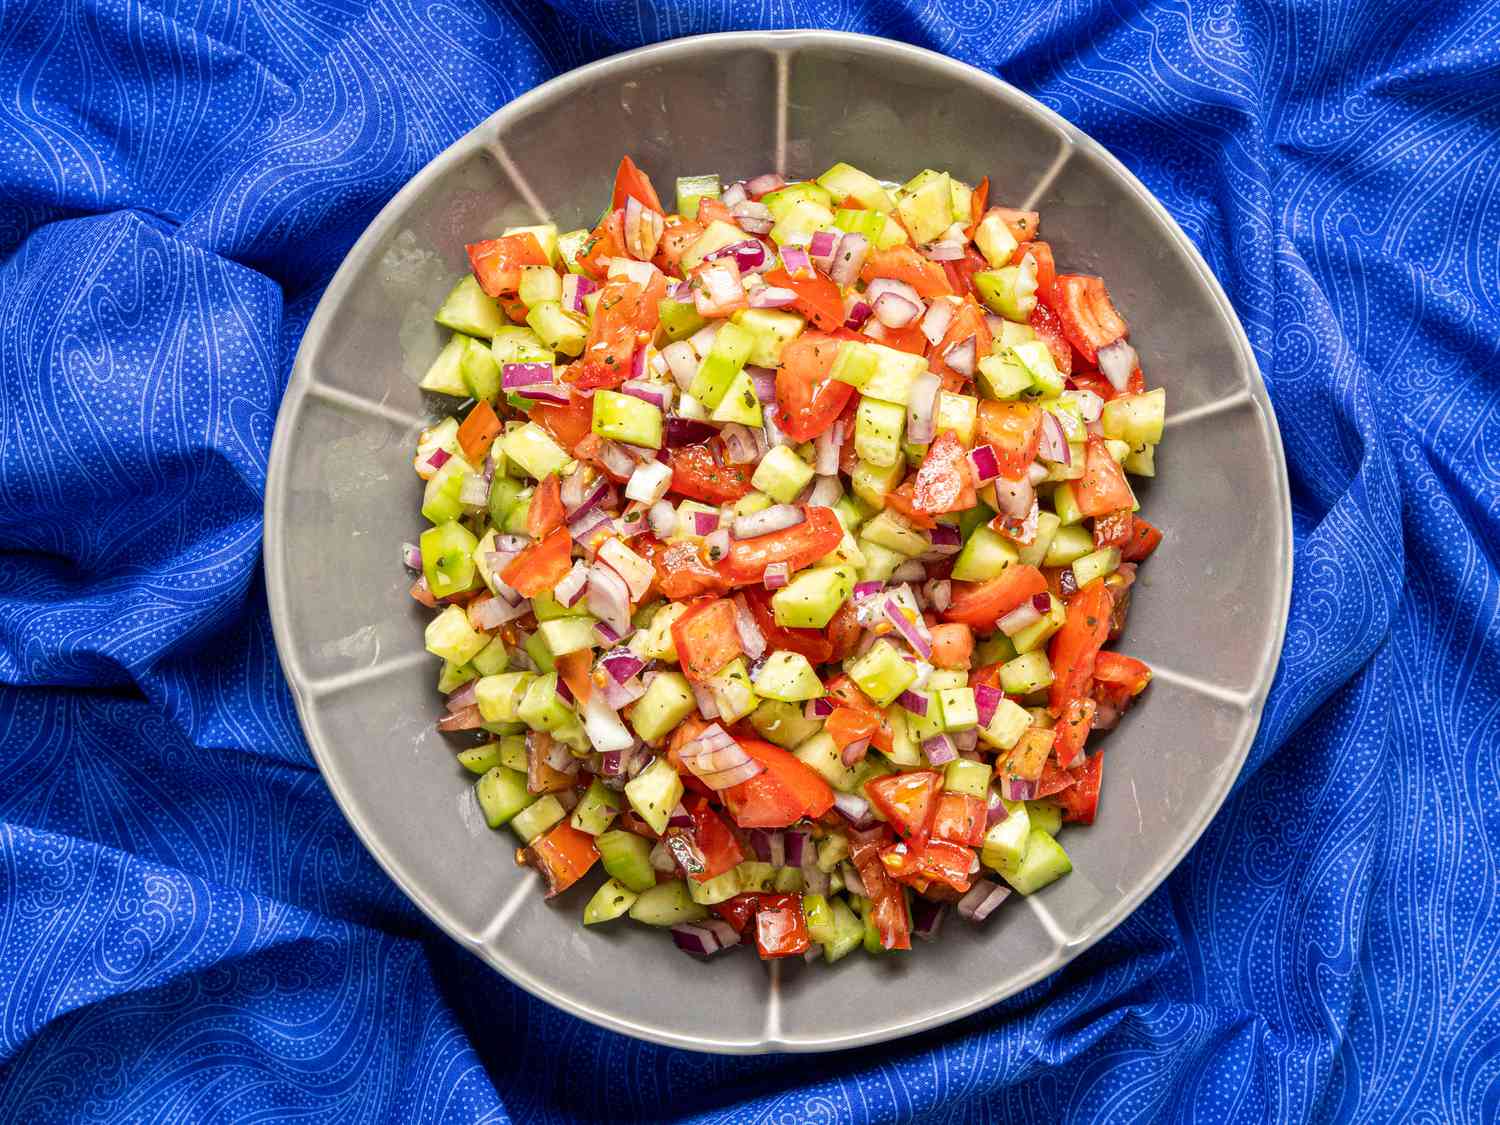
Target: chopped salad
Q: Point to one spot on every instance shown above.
(774, 548)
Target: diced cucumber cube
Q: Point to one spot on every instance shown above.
(1066, 506)
(1006, 841)
(692, 189)
(972, 779)
(480, 759)
(1009, 290)
(867, 222)
(1029, 672)
(626, 857)
(994, 240)
(440, 496)
(450, 636)
(1044, 862)
(667, 904)
(610, 901)
(571, 246)
(1068, 546)
(532, 448)
(1141, 461)
(772, 329)
(627, 418)
(513, 751)
(781, 474)
(799, 222)
(855, 363)
(880, 562)
(733, 694)
(557, 328)
(718, 235)
(596, 808)
(567, 634)
(679, 319)
(959, 413)
(1007, 726)
(658, 643)
(468, 309)
(811, 599)
(1096, 564)
(539, 284)
(1034, 552)
(721, 888)
(740, 403)
(959, 710)
(926, 205)
(448, 559)
(502, 793)
(882, 674)
(1038, 633)
(1046, 815)
(890, 530)
(668, 701)
(1036, 358)
(499, 696)
(537, 818)
(654, 792)
(878, 427)
(725, 359)
(789, 677)
(873, 483)
(756, 876)
(895, 372)
(819, 915)
(849, 931)
(518, 344)
(822, 754)
(541, 708)
(984, 556)
(781, 201)
(783, 723)
(844, 181)
(445, 376)
(1001, 377)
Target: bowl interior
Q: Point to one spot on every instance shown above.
(1209, 610)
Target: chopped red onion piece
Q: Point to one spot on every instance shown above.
(752, 640)
(853, 808)
(962, 356)
(603, 726)
(616, 460)
(575, 287)
(1054, 443)
(571, 588)
(994, 811)
(463, 697)
(772, 297)
(849, 258)
(926, 918)
(749, 255)
(609, 598)
(796, 847)
(703, 339)
(986, 699)
(1037, 473)
(947, 250)
(473, 492)
(797, 262)
(619, 696)
(866, 589)
(621, 664)
(1023, 616)
(855, 752)
(819, 708)
(654, 393)
(687, 431)
(940, 750)
(827, 447)
(705, 523)
(716, 544)
(778, 517)
(820, 249)
(705, 700)
(682, 361)
(981, 900)
(909, 571)
(940, 594)
(765, 183)
(858, 311)
(514, 376)
(916, 704)
(694, 939)
(637, 572)
(1117, 362)
(774, 432)
(411, 556)
(753, 216)
(739, 447)
(939, 315)
(1017, 789)
(966, 740)
(984, 463)
(494, 612)
(649, 482)
(895, 311)
(764, 381)
(734, 194)
(921, 408)
(1014, 496)
(467, 718)
(946, 538)
(826, 492)
(777, 575)
(1090, 405)
(439, 458)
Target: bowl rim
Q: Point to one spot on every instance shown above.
(784, 41)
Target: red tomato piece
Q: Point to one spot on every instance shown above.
(961, 273)
(563, 855)
(978, 202)
(568, 424)
(960, 819)
(675, 240)
(843, 632)
(909, 801)
(904, 264)
(1088, 316)
(1102, 489)
(1072, 728)
(809, 401)
(904, 500)
(1080, 801)
(944, 482)
(1046, 265)
(738, 911)
(606, 242)
(706, 638)
(541, 566)
(1048, 328)
(887, 900)
(478, 432)
(818, 297)
(980, 604)
(952, 646)
(1144, 538)
(699, 474)
(801, 546)
(546, 513)
(1054, 780)
(938, 861)
(1023, 225)
(1113, 530)
(781, 927)
(630, 180)
(720, 850)
(847, 726)
(1117, 668)
(681, 572)
(783, 794)
(1074, 648)
(497, 262)
(1014, 431)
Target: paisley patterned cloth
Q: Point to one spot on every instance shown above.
(189, 932)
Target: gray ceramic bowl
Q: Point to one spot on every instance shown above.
(1210, 610)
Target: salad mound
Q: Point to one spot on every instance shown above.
(774, 549)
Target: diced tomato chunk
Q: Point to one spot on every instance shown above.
(706, 639)
(960, 819)
(909, 801)
(1076, 645)
(980, 604)
(799, 546)
(1089, 319)
(781, 926)
(700, 475)
(937, 861)
(563, 855)
(541, 566)
(497, 262)
(944, 482)
(783, 794)
(809, 401)
(1080, 801)
(1102, 489)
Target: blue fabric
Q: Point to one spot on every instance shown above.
(188, 930)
